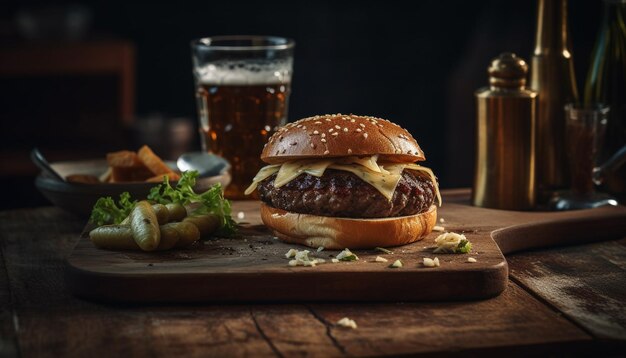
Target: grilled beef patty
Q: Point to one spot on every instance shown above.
(342, 194)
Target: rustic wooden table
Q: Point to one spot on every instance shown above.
(565, 301)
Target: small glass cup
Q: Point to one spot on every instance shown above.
(585, 130)
(242, 91)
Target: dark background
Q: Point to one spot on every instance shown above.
(415, 63)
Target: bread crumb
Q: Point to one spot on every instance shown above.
(347, 323)
(439, 228)
(441, 220)
(471, 259)
(381, 259)
(241, 215)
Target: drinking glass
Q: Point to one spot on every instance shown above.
(585, 130)
(242, 91)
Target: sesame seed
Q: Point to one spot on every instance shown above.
(327, 119)
(323, 140)
(318, 122)
(345, 129)
(364, 135)
(336, 126)
(352, 120)
(316, 132)
(336, 133)
(362, 125)
(303, 127)
(349, 151)
(358, 129)
(323, 135)
(330, 130)
(299, 126)
(326, 152)
(312, 145)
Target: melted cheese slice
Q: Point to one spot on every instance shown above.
(385, 182)
(264, 173)
(383, 177)
(368, 162)
(289, 171)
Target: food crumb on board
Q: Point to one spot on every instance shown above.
(301, 258)
(380, 259)
(396, 264)
(439, 228)
(452, 243)
(334, 261)
(291, 253)
(241, 215)
(347, 323)
(471, 259)
(428, 262)
(347, 255)
(441, 220)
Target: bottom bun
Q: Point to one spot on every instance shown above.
(341, 233)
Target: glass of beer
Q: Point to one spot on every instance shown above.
(242, 91)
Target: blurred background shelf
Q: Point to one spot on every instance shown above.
(80, 79)
(75, 100)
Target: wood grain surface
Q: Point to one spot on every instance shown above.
(587, 283)
(52, 322)
(215, 269)
(47, 320)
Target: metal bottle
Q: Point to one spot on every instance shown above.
(552, 77)
(505, 156)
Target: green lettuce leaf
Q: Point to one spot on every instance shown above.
(210, 202)
(106, 211)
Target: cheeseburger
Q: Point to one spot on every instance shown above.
(340, 181)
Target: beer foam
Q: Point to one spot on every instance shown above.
(244, 73)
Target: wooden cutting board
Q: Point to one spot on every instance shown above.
(253, 267)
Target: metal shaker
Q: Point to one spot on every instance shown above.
(505, 156)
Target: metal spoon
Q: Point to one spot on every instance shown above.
(206, 164)
(41, 162)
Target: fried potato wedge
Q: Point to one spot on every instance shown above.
(153, 162)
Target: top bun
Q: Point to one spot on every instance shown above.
(338, 135)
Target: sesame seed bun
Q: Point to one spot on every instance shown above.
(340, 233)
(338, 135)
